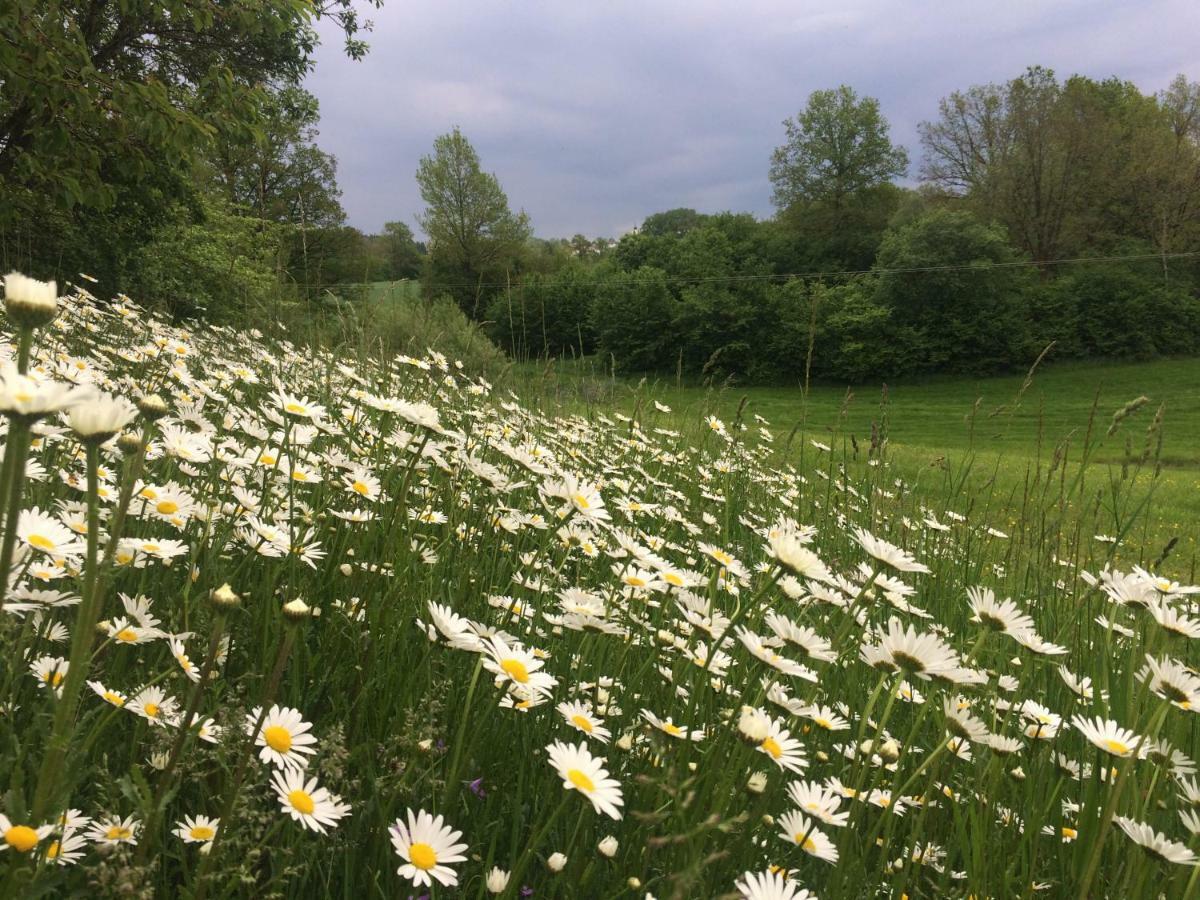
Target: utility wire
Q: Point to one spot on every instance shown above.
(809, 276)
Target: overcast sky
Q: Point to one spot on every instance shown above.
(596, 113)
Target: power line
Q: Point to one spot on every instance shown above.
(809, 276)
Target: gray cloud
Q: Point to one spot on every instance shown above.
(594, 115)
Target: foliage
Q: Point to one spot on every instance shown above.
(633, 318)
(957, 303)
(473, 235)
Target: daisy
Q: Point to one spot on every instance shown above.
(798, 830)
(903, 649)
(116, 698)
(516, 665)
(580, 771)
(66, 849)
(1172, 681)
(115, 830)
(200, 830)
(1003, 616)
(757, 646)
(283, 737)
(427, 844)
(1110, 737)
(890, 554)
(770, 885)
(817, 800)
(784, 750)
(50, 671)
(21, 838)
(580, 716)
(666, 726)
(1157, 844)
(152, 704)
(47, 534)
(313, 807)
(803, 638)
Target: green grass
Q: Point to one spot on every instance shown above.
(944, 424)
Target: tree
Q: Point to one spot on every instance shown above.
(403, 253)
(837, 147)
(957, 303)
(472, 233)
(108, 108)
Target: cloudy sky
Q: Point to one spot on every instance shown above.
(596, 113)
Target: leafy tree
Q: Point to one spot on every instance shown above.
(633, 318)
(473, 235)
(832, 178)
(404, 254)
(961, 307)
(138, 85)
(837, 147)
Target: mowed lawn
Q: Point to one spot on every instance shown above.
(941, 427)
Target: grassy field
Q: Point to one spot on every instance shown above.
(948, 428)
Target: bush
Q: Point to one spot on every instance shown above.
(970, 317)
(633, 317)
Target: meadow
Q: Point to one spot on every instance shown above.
(289, 621)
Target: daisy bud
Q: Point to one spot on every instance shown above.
(345, 568)
(822, 756)
(557, 862)
(425, 746)
(497, 880)
(625, 742)
(634, 882)
(1017, 774)
(753, 725)
(890, 750)
(129, 443)
(756, 783)
(29, 302)
(608, 847)
(296, 610)
(768, 820)
(102, 628)
(152, 407)
(225, 597)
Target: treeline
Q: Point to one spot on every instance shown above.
(947, 294)
(1048, 211)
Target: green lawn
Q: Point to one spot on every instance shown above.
(949, 425)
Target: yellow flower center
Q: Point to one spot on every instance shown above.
(634, 581)
(580, 780)
(202, 833)
(148, 493)
(168, 507)
(53, 677)
(673, 579)
(422, 856)
(42, 543)
(1069, 833)
(118, 833)
(53, 850)
(1116, 747)
(128, 635)
(772, 747)
(151, 547)
(151, 709)
(114, 699)
(824, 723)
(582, 723)
(299, 475)
(267, 459)
(278, 738)
(582, 502)
(807, 843)
(359, 488)
(516, 670)
(669, 728)
(301, 801)
(21, 838)
(298, 409)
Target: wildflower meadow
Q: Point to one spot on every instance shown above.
(282, 621)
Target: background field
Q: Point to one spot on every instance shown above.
(961, 429)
